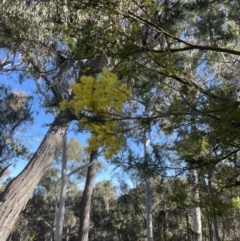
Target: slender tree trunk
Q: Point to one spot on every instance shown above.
(188, 228)
(210, 230)
(165, 224)
(19, 190)
(60, 208)
(68, 229)
(146, 142)
(86, 198)
(54, 221)
(63, 193)
(216, 232)
(148, 211)
(196, 212)
(214, 218)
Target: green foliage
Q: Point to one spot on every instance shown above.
(180, 60)
(181, 197)
(14, 115)
(120, 214)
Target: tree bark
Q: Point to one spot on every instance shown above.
(54, 221)
(19, 190)
(214, 218)
(148, 211)
(86, 199)
(64, 179)
(215, 226)
(146, 142)
(189, 229)
(196, 212)
(210, 230)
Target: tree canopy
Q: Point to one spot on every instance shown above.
(164, 70)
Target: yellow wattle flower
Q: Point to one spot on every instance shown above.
(97, 96)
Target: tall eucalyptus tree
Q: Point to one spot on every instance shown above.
(55, 42)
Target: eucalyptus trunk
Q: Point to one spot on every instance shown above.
(17, 193)
(196, 212)
(148, 211)
(214, 218)
(210, 229)
(86, 198)
(189, 229)
(63, 193)
(54, 221)
(148, 192)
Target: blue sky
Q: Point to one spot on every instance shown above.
(36, 132)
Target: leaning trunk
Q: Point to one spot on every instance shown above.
(19, 190)
(86, 199)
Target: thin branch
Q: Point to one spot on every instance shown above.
(80, 168)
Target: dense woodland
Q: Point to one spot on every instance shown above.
(155, 85)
